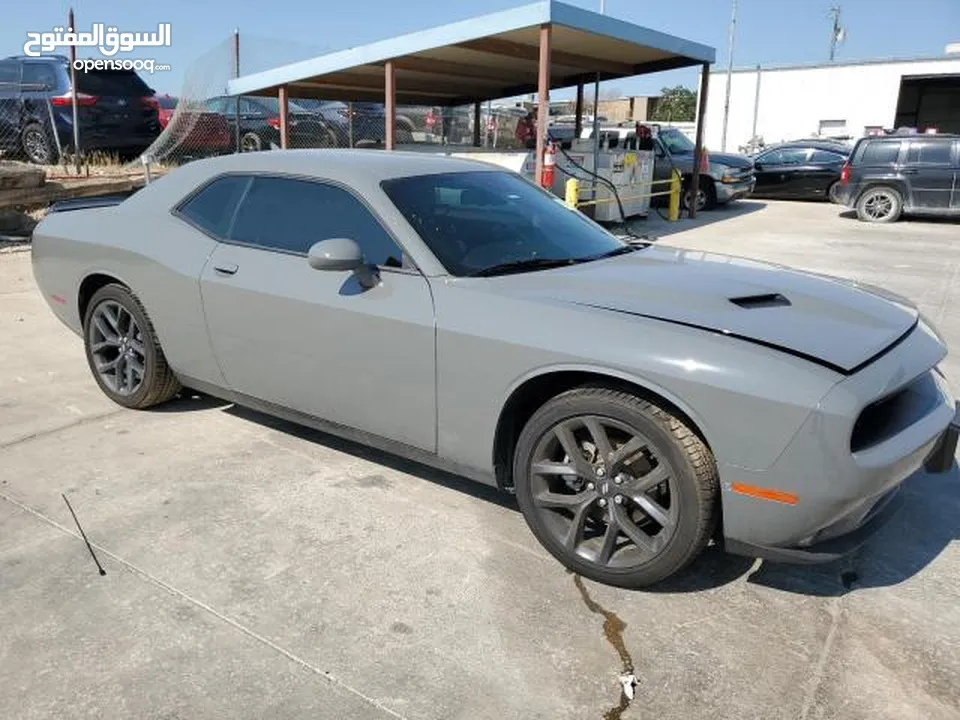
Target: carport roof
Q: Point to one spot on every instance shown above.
(484, 58)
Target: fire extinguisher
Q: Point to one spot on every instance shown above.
(549, 162)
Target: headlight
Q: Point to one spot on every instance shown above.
(719, 172)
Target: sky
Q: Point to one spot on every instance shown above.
(769, 32)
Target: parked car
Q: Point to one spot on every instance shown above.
(887, 176)
(367, 124)
(434, 307)
(805, 170)
(724, 177)
(196, 131)
(259, 122)
(117, 111)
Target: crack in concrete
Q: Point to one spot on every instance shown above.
(59, 428)
(613, 628)
(325, 674)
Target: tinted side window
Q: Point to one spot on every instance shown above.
(213, 207)
(825, 157)
(883, 152)
(930, 152)
(771, 157)
(794, 156)
(291, 215)
(38, 76)
(9, 75)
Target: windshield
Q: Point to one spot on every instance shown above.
(477, 221)
(676, 142)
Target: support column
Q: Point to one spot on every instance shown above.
(476, 124)
(543, 96)
(578, 112)
(390, 104)
(284, 117)
(698, 145)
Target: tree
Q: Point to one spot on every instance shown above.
(676, 104)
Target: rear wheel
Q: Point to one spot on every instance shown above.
(616, 488)
(123, 351)
(38, 146)
(250, 142)
(833, 192)
(880, 205)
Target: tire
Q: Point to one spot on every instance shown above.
(250, 142)
(832, 192)
(880, 204)
(684, 506)
(707, 195)
(128, 342)
(38, 146)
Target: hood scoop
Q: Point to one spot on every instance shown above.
(753, 302)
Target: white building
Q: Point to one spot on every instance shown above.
(835, 100)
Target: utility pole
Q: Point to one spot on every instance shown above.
(726, 102)
(837, 33)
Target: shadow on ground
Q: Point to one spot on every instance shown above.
(659, 227)
(924, 526)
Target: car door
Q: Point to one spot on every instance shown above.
(315, 340)
(929, 172)
(824, 170)
(766, 170)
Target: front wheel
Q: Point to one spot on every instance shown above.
(123, 351)
(706, 195)
(616, 488)
(880, 205)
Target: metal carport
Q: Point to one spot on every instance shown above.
(533, 48)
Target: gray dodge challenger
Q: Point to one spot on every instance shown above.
(641, 401)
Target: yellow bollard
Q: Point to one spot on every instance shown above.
(572, 193)
(673, 210)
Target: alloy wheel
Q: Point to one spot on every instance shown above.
(116, 345)
(879, 205)
(604, 491)
(36, 147)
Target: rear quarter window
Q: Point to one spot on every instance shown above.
(213, 207)
(879, 152)
(930, 152)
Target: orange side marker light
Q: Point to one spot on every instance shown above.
(765, 494)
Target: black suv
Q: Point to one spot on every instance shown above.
(116, 110)
(890, 175)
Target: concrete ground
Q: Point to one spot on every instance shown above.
(258, 570)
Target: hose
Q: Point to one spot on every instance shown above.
(609, 184)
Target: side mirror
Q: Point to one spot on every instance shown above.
(335, 254)
(342, 254)
(758, 166)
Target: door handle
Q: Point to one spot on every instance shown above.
(226, 268)
(910, 171)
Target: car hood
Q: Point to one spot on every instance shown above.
(837, 323)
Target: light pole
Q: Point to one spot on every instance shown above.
(726, 101)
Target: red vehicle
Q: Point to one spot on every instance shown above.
(200, 131)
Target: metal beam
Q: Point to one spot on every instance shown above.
(476, 124)
(445, 68)
(698, 144)
(578, 112)
(520, 51)
(543, 96)
(390, 103)
(284, 117)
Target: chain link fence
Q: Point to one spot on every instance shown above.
(36, 116)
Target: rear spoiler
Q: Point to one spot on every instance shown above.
(87, 203)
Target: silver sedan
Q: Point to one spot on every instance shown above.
(640, 401)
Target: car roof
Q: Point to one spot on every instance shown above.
(836, 147)
(345, 165)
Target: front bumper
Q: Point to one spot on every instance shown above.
(727, 192)
(842, 491)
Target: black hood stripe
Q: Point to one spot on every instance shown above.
(763, 343)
